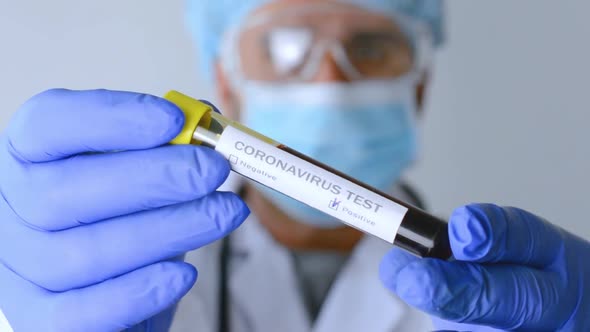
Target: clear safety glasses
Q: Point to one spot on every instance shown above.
(291, 45)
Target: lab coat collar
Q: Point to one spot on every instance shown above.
(263, 283)
(357, 300)
(357, 297)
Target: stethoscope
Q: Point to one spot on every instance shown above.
(222, 292)
(223, 316)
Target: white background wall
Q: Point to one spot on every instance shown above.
(506, 121)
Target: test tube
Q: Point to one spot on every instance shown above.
(272, 164)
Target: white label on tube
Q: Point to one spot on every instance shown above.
(310, 184)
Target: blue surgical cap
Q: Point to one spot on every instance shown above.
(209, 19)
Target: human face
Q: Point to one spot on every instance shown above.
(315, 41)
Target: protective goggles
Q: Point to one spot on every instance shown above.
(290, 45)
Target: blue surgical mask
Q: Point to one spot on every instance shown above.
(364, 129)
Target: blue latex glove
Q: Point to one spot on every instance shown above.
(87, 239)
(514, 271)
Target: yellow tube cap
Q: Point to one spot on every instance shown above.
(195, 113)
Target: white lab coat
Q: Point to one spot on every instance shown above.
(265, 294)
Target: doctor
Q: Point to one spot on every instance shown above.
(340, 81)
(96, 209)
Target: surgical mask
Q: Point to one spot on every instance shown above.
(365, 129)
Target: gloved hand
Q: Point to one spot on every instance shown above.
(94, 206)
(514, 271)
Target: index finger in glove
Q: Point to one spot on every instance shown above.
(59, 123)
(90, 188)
(503, 296)
(489, 233)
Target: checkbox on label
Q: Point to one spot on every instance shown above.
(334, 204)
(233, 159)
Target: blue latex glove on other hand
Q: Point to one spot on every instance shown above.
(514, 271)
(94, 206)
